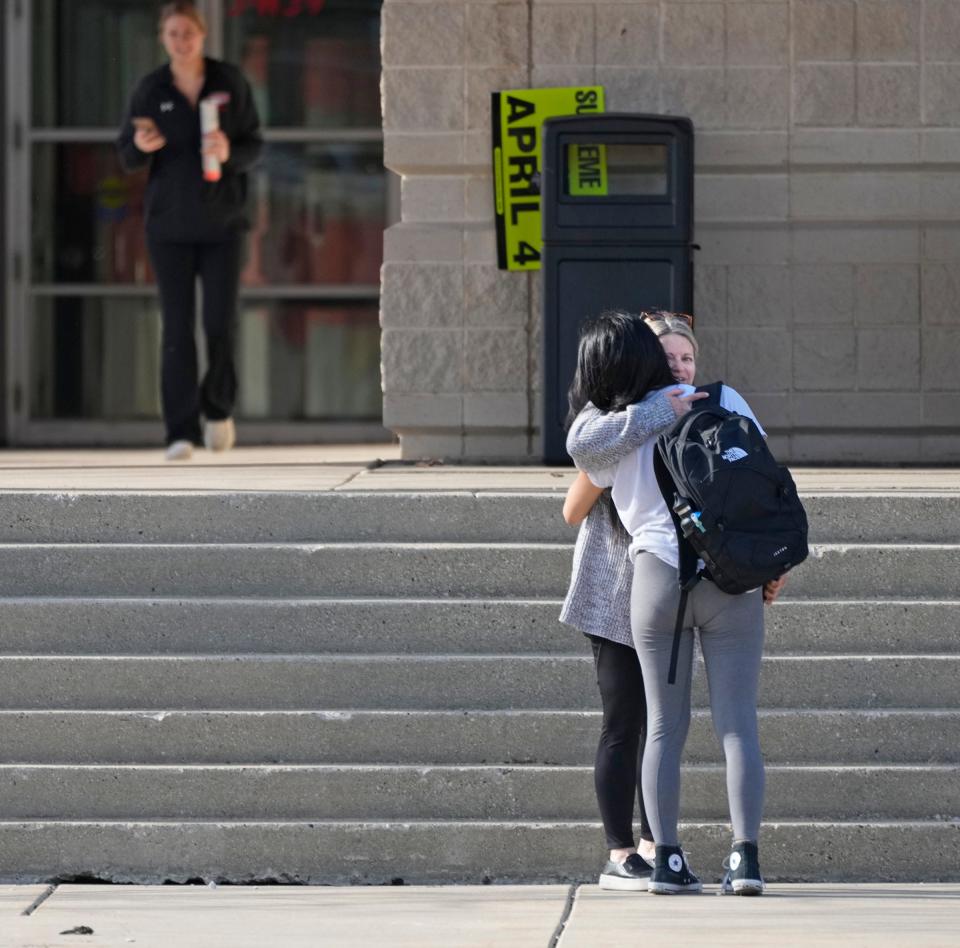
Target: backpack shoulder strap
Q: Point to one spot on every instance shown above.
(687, 573)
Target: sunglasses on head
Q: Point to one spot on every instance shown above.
(663, 315)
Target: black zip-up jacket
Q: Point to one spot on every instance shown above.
(180, 205)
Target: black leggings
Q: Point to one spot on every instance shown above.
(177, 266)
(622, 736)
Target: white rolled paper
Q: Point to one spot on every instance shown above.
(210, 122)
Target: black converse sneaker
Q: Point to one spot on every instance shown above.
(630, 875)
(743, 871)
(671, 874)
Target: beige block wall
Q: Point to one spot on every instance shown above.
(827, 208)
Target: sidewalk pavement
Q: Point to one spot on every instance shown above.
(363, 467)
(788, 916)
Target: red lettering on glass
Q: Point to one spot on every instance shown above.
(276, 8)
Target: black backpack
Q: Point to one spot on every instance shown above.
(732, 505)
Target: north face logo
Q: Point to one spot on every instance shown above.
(733, 454)
(166, 106)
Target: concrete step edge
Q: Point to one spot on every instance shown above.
(432, 851)
(536, 493)
(262, 602)
(442, 571)
(454, 714)
(519, 768)
(131, 626)
(543, 494)
(449, 793)
(404, 545)
(368, 658)
(953, 822)
(248, 682)
(456, 515)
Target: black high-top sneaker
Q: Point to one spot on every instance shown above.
(631, 875)
(743, 871)
(671, 874)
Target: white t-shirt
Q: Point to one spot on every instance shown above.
(636, 494)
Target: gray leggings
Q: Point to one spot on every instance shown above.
(731, 638)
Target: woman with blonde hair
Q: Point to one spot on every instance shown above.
(195, 219)
(598, 600)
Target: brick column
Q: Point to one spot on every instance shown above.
(827, 208)
(456, 331)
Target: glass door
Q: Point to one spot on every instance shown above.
(84, 323)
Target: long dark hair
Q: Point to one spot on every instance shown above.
(619, 360)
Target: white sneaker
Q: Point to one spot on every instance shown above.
(219, 435)
(179, 451)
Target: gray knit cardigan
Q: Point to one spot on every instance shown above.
(598, 600)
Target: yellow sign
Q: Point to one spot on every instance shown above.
(518, 116)
(586, 170)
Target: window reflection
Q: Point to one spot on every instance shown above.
(95, 358)
(87, 57)
(296, 361)
(317, 215)
(310, 63)
(87, 217)
(303, 360)
(317, 211)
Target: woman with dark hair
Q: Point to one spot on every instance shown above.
(616, 363)
(195, 218)
(598, 604)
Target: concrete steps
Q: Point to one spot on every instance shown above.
(448, 570)
(378, 852)
(475, 792)
(439, 682)
(151, 626)
(500, 737)
(427, 517)
(366, 686)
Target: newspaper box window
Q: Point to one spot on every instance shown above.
(600, 170)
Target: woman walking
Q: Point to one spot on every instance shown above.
(195, 218)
